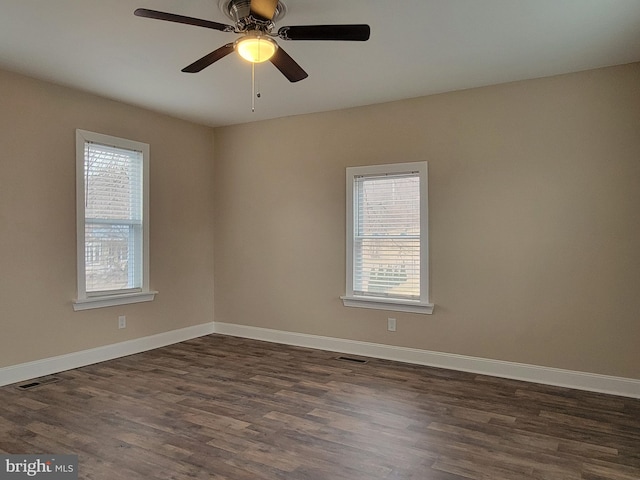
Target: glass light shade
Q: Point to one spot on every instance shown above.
(256, 49)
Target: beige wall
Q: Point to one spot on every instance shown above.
(534, 196)
(534, 191)
(37, 221)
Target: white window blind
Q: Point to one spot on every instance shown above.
(113, 218)
(387, 236)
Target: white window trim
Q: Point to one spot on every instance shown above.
(86, 301)
(379, 303)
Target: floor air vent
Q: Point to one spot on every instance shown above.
(38, 383)
(351, 359)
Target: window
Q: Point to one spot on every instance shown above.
(112, 208)
(387, 233)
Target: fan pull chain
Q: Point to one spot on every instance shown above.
(253, 87)
(254, 95)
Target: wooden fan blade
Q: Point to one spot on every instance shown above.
(288, 66)
(358, 33)
(207, 60)
(170, 17)
(264, 8)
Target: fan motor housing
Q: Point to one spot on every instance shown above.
(239, 10)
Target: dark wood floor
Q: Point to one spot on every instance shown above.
(227, 408)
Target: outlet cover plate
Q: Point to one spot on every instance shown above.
(391, 324)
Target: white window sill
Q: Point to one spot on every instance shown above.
(388, 304)
(112, 300)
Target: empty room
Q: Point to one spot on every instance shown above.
(299, 240)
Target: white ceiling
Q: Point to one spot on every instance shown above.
(417, 47)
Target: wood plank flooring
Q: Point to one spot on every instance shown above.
(227, 408)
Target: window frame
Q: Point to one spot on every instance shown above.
(89, 300)
(350, 299)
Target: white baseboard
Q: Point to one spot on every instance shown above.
(48, 366)
(626, 387)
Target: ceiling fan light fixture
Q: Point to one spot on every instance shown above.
(256, 48)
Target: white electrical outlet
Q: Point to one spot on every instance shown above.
(122, 321)
(391, 324)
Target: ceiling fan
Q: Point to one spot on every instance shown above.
(255, 22)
